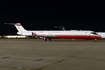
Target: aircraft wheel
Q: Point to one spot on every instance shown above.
(49, 39)
(44, 40)
(95, 40)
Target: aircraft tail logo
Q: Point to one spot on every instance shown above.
(19, 27)
(18, 24)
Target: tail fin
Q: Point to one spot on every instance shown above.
(18, 26)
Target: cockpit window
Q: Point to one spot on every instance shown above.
(94, 33)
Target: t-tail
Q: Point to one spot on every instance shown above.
(18, 26)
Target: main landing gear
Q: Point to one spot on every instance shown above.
(46, 39)
(49, 39)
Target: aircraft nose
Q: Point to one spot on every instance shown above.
(98, 36)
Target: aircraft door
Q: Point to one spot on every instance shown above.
(89, 34)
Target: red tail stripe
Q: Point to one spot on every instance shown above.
(18, 24)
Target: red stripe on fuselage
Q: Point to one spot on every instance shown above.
(70, 36)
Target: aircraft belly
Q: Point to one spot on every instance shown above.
(66, 36)
(76, 36)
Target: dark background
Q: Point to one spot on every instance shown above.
(44, 15)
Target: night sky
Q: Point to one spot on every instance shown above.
(45, 15)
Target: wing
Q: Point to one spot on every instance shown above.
(34, 34)
(46, 36)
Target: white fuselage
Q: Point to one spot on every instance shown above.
(29, 33)
(61, 34)
(56, 34)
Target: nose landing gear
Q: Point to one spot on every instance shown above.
(95, 40)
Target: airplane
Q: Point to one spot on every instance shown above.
(51, 34)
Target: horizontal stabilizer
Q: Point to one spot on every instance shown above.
(10, 23)
(18, 26)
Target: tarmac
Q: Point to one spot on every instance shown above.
(58, 54)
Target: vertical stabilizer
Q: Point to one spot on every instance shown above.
(19, 27)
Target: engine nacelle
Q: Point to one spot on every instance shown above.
(19, 33)
(34, 35)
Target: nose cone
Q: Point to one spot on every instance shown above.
(98, 36)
